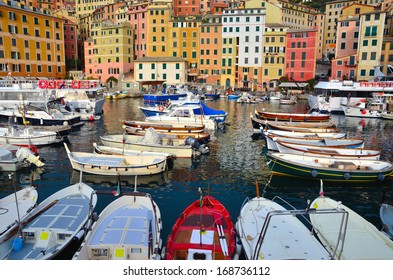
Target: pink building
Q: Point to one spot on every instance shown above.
(300, 56)
(138, 19)
(70, 40)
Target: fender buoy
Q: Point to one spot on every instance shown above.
(42, 84)
(160, 108)
(314, 173)
(381, 177)
(364, 111)
(347, 176)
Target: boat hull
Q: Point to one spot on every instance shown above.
(294, 117)
(325, 169)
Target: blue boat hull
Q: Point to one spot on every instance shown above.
(163, 97)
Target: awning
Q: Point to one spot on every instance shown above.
(293, 85)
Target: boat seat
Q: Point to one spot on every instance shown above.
(199, 254)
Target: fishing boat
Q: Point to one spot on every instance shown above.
(21, 158)
(365, 108)
(386, 216)
(28, 136)
(324, 142)
(333, 152)
(202, 137)
(129, 228)
(258, 123)
(288, 100)
(52, 224)
(152, 142)
(269, 231)
(13, 210)
(106, 150)
(161, 127)
(204, 231)
(304, 135)
(234, 96)
(363, 241)
(113, 165)
(330, 169)
(387, 115)
(312, 117)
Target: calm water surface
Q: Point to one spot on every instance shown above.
(229, 172)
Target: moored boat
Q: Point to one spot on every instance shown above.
(321, 151)
(386, 216)
(28, 136)
(268, 230)
(203, 231)
(330, 169)
(162, 127)
(363, 241)
(15, 207)
(313, 117)
(114, 165)
(129, 228)
(52, 224)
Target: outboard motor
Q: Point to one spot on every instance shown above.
(196, 146)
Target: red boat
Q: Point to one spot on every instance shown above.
(204, 231)
(313, 117)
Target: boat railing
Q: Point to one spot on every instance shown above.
(335, 252)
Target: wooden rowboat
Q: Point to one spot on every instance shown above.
(330, 169)
(333, 152)
(313, 117)
(204, 231)
(202, 137)
(162, 127)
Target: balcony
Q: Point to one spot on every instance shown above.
(351, 63)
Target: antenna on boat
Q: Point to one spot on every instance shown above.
(12, 178)
(200, 215)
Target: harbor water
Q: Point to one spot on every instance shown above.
(230, 172)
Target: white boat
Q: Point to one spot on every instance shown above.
(129, 228)
(330, 152)
(13, 210)
(329, 96)
(77, 94)
(328, 142)
(363, 241)
(186, 115)
(288, 100)
(52, 224)
(13, 161)
(275, 95)
(113, 165)
(101, 149)
(386, 216)
(29, 136)
(152, 143)
(387, 115)
(366, 108)
(306, 135)
(269, 231)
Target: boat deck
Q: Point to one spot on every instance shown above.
(53, 227)
(124, 226)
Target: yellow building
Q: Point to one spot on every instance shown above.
(370, 43)
(31, 42)
(158, 15)
(273, 58)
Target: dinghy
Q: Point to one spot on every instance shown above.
(204, 231)
(113, 165)
(363, 241)
(28, 136)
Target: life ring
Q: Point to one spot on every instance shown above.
(42, 84)
(160, 108)
(76, 84)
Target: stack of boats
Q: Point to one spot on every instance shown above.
(309, 146)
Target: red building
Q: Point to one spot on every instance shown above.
(300, 57)
(186, 7)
